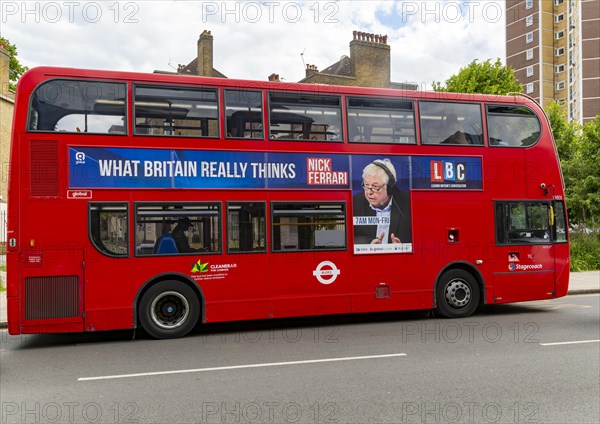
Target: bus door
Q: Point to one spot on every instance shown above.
(52, 290)
(524, 268)
(244, 291)
(309, 270)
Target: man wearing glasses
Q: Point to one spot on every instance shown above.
(382, 210)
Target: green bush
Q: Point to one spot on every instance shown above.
(585, 251)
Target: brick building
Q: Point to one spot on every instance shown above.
(554, 47)
(369, 64)
(7, 102)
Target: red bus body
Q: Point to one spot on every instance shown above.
(58, 281)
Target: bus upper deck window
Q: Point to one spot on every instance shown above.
(513, 126)
(381, 120)
(176, 111)
(451, 123)
(244, 116)
(305, 116)
(74, 106)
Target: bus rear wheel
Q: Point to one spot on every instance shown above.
(457, 294)
(169, 310)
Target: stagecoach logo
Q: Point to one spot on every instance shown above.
(326, 272)
(79, 158)
(521, 267)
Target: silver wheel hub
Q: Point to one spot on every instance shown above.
(458, 293)
(169, 310)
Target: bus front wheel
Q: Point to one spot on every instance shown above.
(169, 309)
(457, 294)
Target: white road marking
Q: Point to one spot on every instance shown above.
(237, 367)
(570, 343)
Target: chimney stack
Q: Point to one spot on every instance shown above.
(311, 70)
(371, 59)
(274, 78)
(205, 54)
(369, 38)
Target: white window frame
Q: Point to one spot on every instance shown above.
(559, 18)
(529, 88)
(559, 51)
(529, 37)
(560, 85)
(558, 2)
(559, 34)
(559, 68)
(529, 71)
(529, 54)
(528, 4)
(529, 20)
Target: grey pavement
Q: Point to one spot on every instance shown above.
(580, 283)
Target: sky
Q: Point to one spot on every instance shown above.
(430, 40)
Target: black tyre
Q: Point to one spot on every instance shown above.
(457, 294)
(169, 309)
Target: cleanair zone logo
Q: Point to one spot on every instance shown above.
(520, 267)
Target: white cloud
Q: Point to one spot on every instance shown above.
(252, 39)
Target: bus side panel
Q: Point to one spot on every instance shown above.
(235, 286)
(448, 232)
(12, 292)
(311, 283)
(51, 283)
(562, 272)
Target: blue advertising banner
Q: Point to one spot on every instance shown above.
(94, 167)
(446, 173)
(98, 167)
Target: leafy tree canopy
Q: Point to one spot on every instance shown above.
(579, 152)
(484, 78)
(15, 69)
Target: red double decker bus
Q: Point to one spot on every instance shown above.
(165, 201)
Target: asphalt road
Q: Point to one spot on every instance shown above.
(535, 362)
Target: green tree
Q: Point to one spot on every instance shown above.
(15, 69)
(589, 160)
(579, 152)
(565, 132)
(484, 78)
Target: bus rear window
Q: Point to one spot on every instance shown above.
(515, 126)
(373, 120)
(305, 116)
(79, 107)
(176, 111)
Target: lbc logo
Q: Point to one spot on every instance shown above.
(444, 171)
